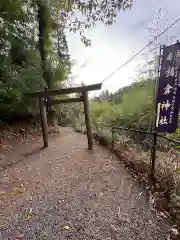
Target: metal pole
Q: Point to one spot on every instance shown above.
(112, 138)
(153, 156)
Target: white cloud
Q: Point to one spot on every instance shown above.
(113, 46)
(104, 56)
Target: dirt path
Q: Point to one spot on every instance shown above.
(90, 193)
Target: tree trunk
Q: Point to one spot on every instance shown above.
(43, 37)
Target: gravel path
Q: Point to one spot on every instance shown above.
(66, 192)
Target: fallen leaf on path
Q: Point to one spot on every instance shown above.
(20, 236)
(67, 228)
(27, 218)
(174, 231)
(21, 189)
(4, 147)
(29, 215)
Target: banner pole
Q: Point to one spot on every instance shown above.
(153, 153)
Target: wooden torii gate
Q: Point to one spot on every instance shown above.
(43, 102)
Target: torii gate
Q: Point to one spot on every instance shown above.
(83, 98)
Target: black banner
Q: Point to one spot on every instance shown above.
(168, 95)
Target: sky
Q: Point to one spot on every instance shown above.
(112, 46)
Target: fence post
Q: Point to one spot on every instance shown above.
(44, 123)
(112, 130)
(87, 120)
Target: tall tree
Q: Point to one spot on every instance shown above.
(79, 16)
(33, 46)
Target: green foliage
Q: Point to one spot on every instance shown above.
(11, 10)
(132, 107)
(20, 60)
(33, 47)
